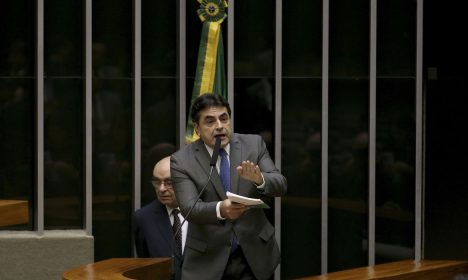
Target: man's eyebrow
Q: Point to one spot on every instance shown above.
(209, 117)
(160, 179)
(214, 117)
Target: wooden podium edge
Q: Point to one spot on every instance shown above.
(123, 268)
(404, 270)
(14, 212)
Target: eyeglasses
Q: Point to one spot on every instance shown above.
(158, 183)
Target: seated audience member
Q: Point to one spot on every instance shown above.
(156, 223)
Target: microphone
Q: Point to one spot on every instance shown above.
(216, 149)
(214, 159)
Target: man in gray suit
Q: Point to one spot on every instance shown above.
(225, 240)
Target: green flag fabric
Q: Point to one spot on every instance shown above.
(210, 75)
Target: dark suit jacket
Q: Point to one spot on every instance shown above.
(207, 247)
(153, 234)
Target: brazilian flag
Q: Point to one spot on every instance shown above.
(210, 75)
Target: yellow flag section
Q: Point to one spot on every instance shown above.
(210, 74)
(209, 67)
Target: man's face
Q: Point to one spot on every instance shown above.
(163, 185)
(214, 122)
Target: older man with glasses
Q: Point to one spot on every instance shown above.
(159, 231)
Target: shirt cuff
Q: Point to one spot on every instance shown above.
(218, 211)
(261, 186)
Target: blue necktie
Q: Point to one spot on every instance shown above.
(224, 171)
(225, 174)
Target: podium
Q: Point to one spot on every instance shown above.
(402, 270)
(123, 268)
(13, 212)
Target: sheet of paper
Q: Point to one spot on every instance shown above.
(251, 202)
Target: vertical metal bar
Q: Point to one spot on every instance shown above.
(372, 129)
(325, 78)
(230, 57)
(137, 107)
(181, 72)
(39, 218)
(136, 110)
(278, 116)
(88, 119)
(419, 134)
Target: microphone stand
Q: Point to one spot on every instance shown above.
(214, 158)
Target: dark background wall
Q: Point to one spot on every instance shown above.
(446, 195)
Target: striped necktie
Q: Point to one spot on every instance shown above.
(175, 227)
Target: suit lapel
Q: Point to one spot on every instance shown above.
(203, 158)
(235, 156)
(166, 231)
(164, 225)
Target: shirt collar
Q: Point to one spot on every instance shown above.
(169, 210)
(210, 150)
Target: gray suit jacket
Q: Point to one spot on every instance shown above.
(207, 248)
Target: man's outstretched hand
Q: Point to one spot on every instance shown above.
(250, 172)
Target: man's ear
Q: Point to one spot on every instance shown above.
(195, 128)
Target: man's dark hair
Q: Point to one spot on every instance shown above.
(205, 101)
